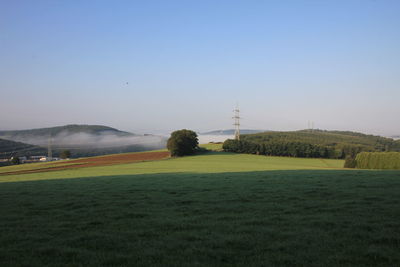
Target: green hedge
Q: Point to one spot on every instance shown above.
(378, 160)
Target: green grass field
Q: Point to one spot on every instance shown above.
(211, 162)
(214, 209)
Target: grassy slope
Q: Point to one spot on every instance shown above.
(212, 146)
(211, 210)
(67, 162)
(207, 163)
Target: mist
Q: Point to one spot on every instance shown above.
(69, 140)
(203, 139)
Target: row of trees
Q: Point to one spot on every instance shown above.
(289, 149)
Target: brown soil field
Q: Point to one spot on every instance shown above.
(97, 161)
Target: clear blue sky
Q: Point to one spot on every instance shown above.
(150, 66)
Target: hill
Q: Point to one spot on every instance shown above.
(323, 137)
(86, 140)
(10, 148)
(66, 129)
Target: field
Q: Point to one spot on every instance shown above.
(86, 162)
(212, 162)
(214, 209)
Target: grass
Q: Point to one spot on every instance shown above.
(215, 209)
(212, 162)
(212, 146)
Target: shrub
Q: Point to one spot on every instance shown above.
(231, 145)
(350, 162)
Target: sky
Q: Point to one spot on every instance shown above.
(158, 66)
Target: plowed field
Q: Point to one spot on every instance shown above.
(97, 161)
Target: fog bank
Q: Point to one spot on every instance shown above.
(69, 140)
(203, 139)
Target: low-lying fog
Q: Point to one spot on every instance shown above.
(106, 140)
(203, 139)
(85, 140)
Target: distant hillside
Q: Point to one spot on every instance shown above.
(315, 143)
(10, 148)
(67, 129)
(326, 138)
(232, 132)
(86, 140)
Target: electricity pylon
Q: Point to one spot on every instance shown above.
(236, 118)
(49, 151)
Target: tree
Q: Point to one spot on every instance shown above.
(182, 142)
(15, 160)
(65, 154)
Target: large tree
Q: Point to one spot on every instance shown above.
(182, 142)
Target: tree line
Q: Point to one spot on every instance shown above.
(287, 149)
(295, 149)
(310, 144)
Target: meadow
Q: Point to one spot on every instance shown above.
(214, 209)
(211, 162)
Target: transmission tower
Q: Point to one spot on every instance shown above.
(49, 152)
(236, 118)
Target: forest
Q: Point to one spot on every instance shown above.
(311, 144)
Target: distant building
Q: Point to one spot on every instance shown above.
(43, 159)
(36, 158)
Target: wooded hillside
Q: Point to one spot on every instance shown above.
(311, 143)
